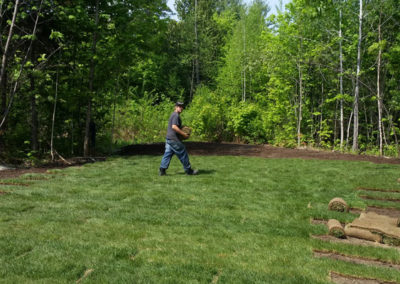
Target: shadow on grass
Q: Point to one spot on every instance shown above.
(201, 172)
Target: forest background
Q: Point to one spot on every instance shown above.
(321, 73)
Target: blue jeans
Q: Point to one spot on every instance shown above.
(175, 147)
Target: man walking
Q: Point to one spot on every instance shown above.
(174, 145)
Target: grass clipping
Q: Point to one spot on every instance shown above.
(336, 229)
(338, 204)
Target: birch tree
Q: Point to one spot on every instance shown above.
(357, 88)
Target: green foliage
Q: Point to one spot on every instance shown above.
(207, 115)
(246, 122)
(251, 70)
(141, 120)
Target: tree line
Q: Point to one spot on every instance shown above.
(323, 73)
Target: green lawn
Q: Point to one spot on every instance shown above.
(242, 220)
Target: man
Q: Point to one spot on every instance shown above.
(174, 145)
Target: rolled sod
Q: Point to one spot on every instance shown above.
(338, 204)
(187, 130)
(336, 229)
(362, 234)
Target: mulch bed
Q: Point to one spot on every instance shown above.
(214, 149)
(264, 151)
(77, 161)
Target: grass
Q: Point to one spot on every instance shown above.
(242, 220)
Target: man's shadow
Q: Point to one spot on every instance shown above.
(202, 172)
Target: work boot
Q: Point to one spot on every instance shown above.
(162, 172)
(192, 172)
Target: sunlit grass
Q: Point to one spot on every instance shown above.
(242, 220)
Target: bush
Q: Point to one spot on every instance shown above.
(141, 121)
(246, 122)
(206, 115)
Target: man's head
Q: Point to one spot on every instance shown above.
(179, 107)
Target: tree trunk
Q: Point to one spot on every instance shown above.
(53, 120)
(300, 105)
(341, 81)
(192, 81)
(34, 114)
(3, 72)
(86, 146)
(196, 44)
(5, 52)
(244, 61)
(321, 118)
(348, 128)
(21, 68)
(378, 87)
(357, 90)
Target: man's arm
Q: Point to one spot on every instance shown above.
(179, 131)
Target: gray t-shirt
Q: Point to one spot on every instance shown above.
(174, 119)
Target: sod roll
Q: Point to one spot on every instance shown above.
(361, 234)
(377, 218)
(187, 130)
(336, 229)
(338, 204)
(379, 224)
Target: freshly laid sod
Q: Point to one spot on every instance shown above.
(242, 220)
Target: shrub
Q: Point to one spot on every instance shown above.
(206, 115)
(246, 122)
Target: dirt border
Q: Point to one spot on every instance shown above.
(377, 189)
(367, 197)
(213, 149)
(340, 278)
(352, 241)
(354, 259)
(264, 151)
(14, 184)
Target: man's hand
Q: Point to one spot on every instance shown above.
(180, 132)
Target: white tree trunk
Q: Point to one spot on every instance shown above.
(378, 91)
(196, 44)
(53, 120)
(299, 119)
(341, 81)
(14, 90)
(357, 89)
(10, 33)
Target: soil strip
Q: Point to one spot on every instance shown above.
(14, 183)
(378, 189)
(220, 149)
(322, 222)
(366, 197)
(264, 151)
(37, 178)
(391, 212)
(388, 211)
(340, 278)
(3, 192)
(352, 241)
(356, 211)
(354, 259)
